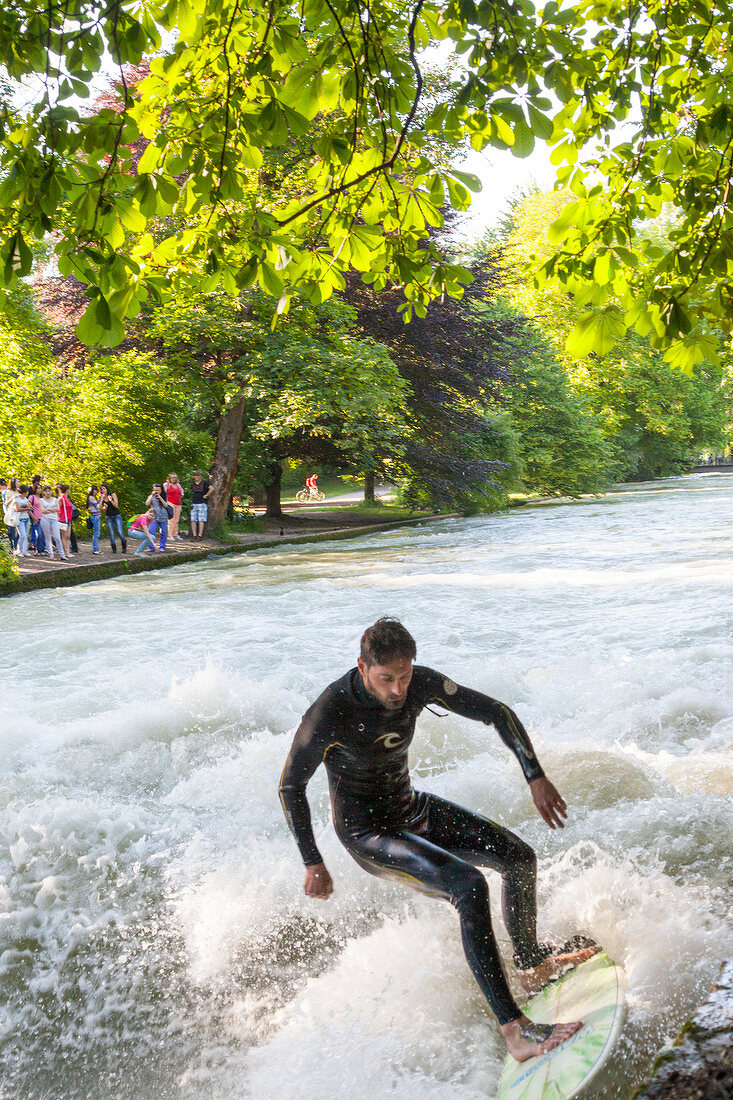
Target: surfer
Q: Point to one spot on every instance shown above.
(361, 728)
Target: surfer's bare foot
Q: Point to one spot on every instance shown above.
(525, 1039)
(553, 965)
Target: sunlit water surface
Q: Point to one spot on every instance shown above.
(155, 941)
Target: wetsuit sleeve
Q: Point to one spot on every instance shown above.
(473, 704)
(307, 752)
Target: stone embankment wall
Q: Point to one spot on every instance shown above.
(83, 574)
(700, 1064)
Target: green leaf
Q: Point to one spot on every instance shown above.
(559, 228)
(603, 268)
(149, 160)
(676, 318)
(596, 332)
(115, 235)
(542, 126)
(89, 330)
(472, 182)
(131, 217)
(523, 139)
(501, 131)
(270, 280)
(460, 198)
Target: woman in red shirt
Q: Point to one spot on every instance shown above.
(65, 510)
(174, 493)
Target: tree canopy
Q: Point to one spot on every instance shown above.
(652, 415)
(330, 96)
(120, 419)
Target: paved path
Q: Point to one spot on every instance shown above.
(290, 526)
(42, 564)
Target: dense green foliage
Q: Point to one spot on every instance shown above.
(561, 446)
(118, 420)
(329, 96)
(652, 416)
(8, 567)
(307, 389)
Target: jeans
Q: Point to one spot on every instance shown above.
(163, 525)
(37, 540)
(24, 526)
(145, 540)
(112, 522)
(96, 528)
(12, 536)
(51, 533)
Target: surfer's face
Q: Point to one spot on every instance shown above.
(389, 682)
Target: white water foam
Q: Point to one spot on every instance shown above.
(154, 937)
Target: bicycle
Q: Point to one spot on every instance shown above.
(308, 496)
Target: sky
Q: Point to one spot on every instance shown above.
(502, 176)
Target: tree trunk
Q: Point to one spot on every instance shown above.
(272, 489)
(369, 485)
(226, 457)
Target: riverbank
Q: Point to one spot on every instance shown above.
(39, 572)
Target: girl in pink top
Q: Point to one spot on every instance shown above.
(34, 499)
(65, 507)
(138, 529)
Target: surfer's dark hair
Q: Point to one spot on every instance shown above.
(387, 640)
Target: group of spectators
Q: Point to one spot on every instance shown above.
(713, 460)
(40, 518)
(163, 515)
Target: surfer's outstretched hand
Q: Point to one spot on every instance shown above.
(318, 882)
(551, 806)
(525, 1039)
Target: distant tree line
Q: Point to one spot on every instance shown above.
(478, 398)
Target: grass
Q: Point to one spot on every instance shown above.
(242, 522)
(329, 483)
(380, 510)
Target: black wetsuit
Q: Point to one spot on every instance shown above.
(395, 832)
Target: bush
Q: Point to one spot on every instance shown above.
(8, 567)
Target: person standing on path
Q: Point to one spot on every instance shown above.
(361, 728)
(23, 508)
(95, 516)
(10, 514)
(200, 490)
(50, 523)
(159, 505)
(109, 504)
(174, 492)
(38, 543)
(66, 510)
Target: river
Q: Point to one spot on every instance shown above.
(155, 941)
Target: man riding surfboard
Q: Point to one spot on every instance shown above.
(361, 728)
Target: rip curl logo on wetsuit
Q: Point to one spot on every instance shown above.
(389, 740)
(450, 687)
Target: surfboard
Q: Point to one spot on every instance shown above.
(594, 993)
